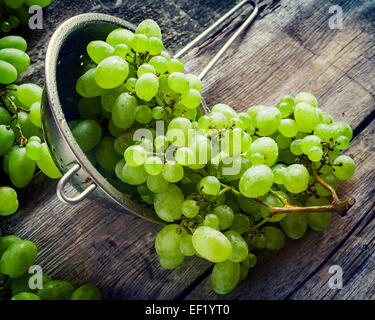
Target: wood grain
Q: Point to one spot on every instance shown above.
(288, 49)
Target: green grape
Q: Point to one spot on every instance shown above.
(294, 225)
(120, 36)
(226, 216)
(250, 261)
(295, 147)
(267, 121)
(191, 98)
(17, 258)
(310, 141)
(211, 220)
(178, 82)
(275, 238)
(121, 50)
(8, 73)
(46, 163)
(225, 276)
(161, 143)
(171, 263)
(5, 26)
(8, 203)
(343, 167)
(318, 221)
(147, 86)
(306, 97)
(288, 127)
(27, 127)
(123, 111)
(135, 156)
(26, 296)
(153, 165)
(143, 114)
(56, 290)
(157, 183)
(340, 128)
(326, 118)
(7, 241)
(123, 141)
(88, 134)
(260, 241)
(106, 154)
(267, 147)
(111, 72)
(323, 131)
(34, 115)
(172, 172)
(34, 150)
(149, 28)
(159, 63)
(183, 156)
(113, 130)
(139, 43)
(306, 116)
(241, 223)
(342, 143)
(239, 246)
(178, 131)
(99, 50)
(130, 84)
(155, 46)
(86, 292)
(211, 244)
(315, 154)
(15, 42)
(175, 65)
(21, 284)
(296, 178)
(118, 169)
(6, 139)
(4, 116)
(158, 113)
(282, 142)
(40, 3)
(278, 171)
(7, 157)
(145, 68)
(286, 105)
(90, 108)
(256, 181)
(186, 245)
(17, 58)
(167, 204)
(331, 180)
(210, 185)
(134, 175)
(190, 208)
(86, 85)
(194, 82)
(226, 110)
(167, 242)
(21, 168)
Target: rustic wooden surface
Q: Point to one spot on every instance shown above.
(289, 48)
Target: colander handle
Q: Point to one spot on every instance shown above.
(204, 34)
(61, 185)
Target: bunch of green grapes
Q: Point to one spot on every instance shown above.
(16, 257)
(21, 148)
(14, 13)
(216, 179)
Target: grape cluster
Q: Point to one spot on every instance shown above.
(14, 13)
(16, 257)
(21, 147)
(226, 182)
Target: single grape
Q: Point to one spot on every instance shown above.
(86, 85)
(318, 221)
(8, 205)
(8, 73)
(306, 116)
(56, 290)
(288, 127)
(26, 296)
(15, 42)
(134, 175)
(46, 164)
(120, 36)
(343, 167)
(267, 121)
(256, 181)
(190, 208)
(294, 225)
(168, 204)
(139, 43)
(86, 292)
(306, 97)
(341, 128)
(323, 131)
(123, 111)
(34, 150)
(175, 65)
(145, 68)
(211, 220)
(147, 86)
(99, 50)
(315, 154)
(17, 58)
(211, 244)
(186, 245)
(149, 28)
(155, 46)
(275, 238)
(143, 114)
(225, 276)
(172, 172)
(111, 72)
(210, 185)
(265, 146)
(88, 134)
(240, 249)
(21, 168)
(106, 154)
(296, 178)
(6, 139)
(295, 147)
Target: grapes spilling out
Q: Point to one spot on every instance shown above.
(18, 283)
(226, 183)
(14, 13)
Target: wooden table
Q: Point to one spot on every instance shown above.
(290, 48)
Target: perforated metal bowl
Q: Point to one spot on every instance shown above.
(60, 101)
